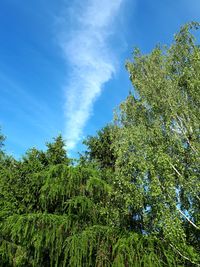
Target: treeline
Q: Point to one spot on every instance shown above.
(133, 198)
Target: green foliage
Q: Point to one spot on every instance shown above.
(56, 153)
(157, 143)
(100, 147)
(2, 138)
(132, 200)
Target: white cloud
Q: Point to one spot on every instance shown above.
(91, 61)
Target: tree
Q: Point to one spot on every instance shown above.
(50, 211)
(56, 152)
(133, 199)
(157, 145)
(99, 147)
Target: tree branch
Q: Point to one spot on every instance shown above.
(188, 219)
(186, 258)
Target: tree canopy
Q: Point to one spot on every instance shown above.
(133, 198)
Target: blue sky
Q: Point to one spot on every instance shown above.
(62, 62)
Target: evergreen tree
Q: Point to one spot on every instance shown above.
(99, 147)
(56, 152)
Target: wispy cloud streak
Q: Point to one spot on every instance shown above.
(91, 61)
